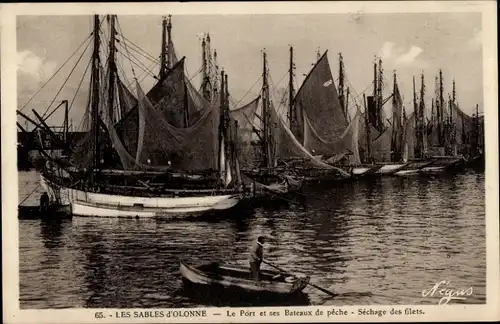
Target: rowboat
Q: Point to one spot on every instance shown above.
(238, 278)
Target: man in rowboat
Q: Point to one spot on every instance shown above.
(256, 256)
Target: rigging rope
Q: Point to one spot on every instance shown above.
(248, 91)
(141, 65)
(74, 97)
(55, 73)
(132, 44)
(143, 55)
(29, 195)
(65, 81)
(79, 85)
(126, 48)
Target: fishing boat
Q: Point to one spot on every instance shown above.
(284, 150)
(442, 143)
(233, 277)
(147, 156)
(380, 142)
(259, 158)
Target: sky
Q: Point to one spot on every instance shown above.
(409, 43)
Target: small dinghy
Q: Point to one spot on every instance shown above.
(233, 277)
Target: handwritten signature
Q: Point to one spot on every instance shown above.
(441, 289)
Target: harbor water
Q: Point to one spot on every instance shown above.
(377, 242)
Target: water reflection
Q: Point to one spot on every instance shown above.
(378, 242)
(51, 232)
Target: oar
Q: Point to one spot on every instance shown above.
(310, 284)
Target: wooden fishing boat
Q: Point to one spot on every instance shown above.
(178, 207)
(233, 277)
(111, 204)
(154, 163)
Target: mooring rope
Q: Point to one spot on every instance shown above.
(29, 195)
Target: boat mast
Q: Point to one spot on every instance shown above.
(375, 96)
(421, 107)
(95, 98)
(440, 109)
(66, 122)
(433, 112)
(417, 123)
(477, 130)
(221, 121)
(163, 58)
(453, 102)
(380, 98)
(396, 119)
(169, 39)
(209, 56)
(216, 66)
(368, 132)
(291, 91)
(227, 122)
(265, 113)
(204, 72)
(341, 84)
(112, 69)
(347, 104)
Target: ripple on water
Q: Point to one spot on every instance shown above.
(371, 243)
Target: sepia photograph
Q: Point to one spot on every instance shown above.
(177, 160)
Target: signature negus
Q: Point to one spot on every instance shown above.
(441, 289)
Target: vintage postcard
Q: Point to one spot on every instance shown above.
(250, 162)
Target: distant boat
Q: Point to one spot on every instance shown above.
(237, 278)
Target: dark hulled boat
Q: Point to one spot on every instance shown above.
(238, 280)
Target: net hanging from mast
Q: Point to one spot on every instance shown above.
(346, 144)
(287, 146)
(190, 148)
(245, 116)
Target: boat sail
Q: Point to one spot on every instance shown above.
(319, 118)
(174, 167)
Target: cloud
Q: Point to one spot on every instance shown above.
(38, 69)
(400, 55)
(410, 56)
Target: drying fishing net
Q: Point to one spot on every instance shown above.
(248, 152)
(84, 150)
(127, 99)
(409, 137)
(174, 97)
(464, 130)
(397, 124)
(189, 148)
(346, 144)
(363, 135)
(287, 147)
(381, 146)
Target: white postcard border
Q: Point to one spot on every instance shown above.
(10, 243)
